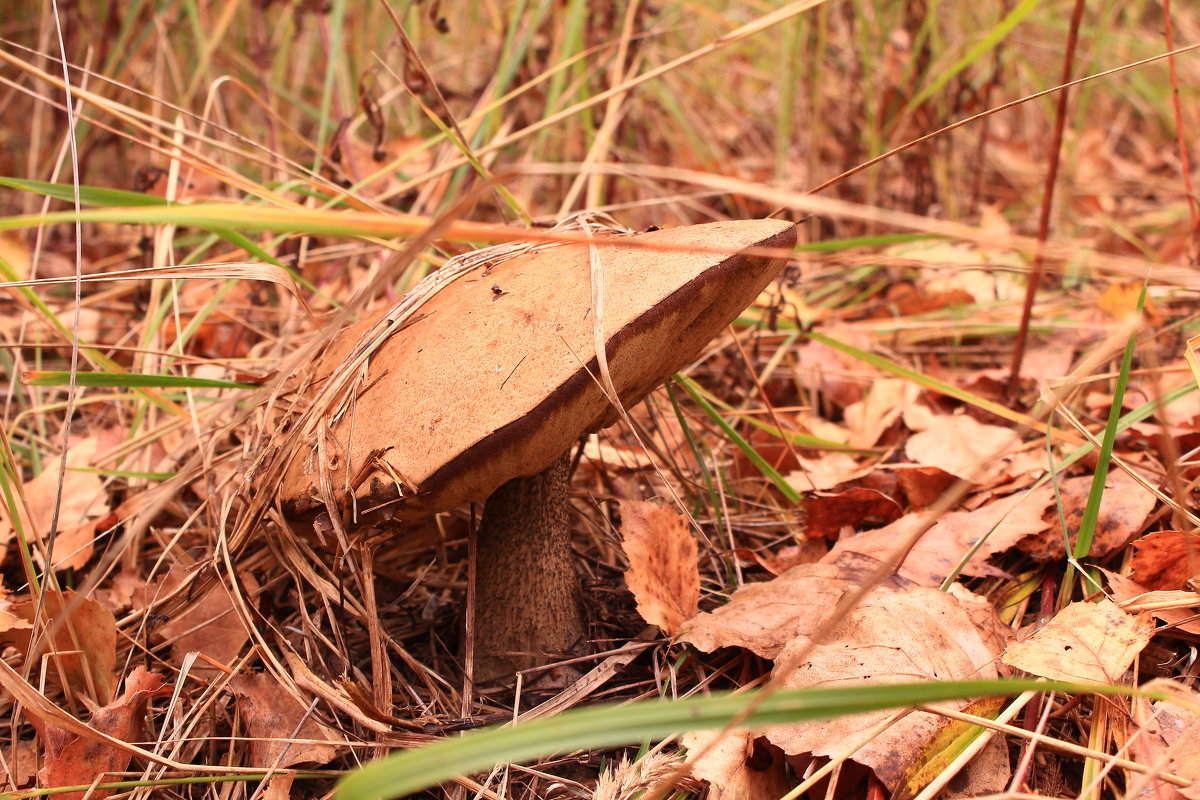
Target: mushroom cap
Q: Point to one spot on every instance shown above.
(497, 375)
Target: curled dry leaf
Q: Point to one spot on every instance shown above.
(764, 617)
(738, 765)
(84, 651)
(663, 574)
(72, 759)
(282, 730)
(1093, 642)
(891, 637)
(1180, 612)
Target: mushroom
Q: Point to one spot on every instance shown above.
(481, 395)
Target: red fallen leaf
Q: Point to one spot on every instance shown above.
(922, 485)
(854, 508)
(73, 760)
(85, 641)
(663, 573)
(1165, 559)
(774, 453)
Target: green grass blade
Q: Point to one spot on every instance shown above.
(88, 195)
(129, 380)
(1091, 511)
(610, 725)
(768, 472)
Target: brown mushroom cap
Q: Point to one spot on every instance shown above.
(489, 383)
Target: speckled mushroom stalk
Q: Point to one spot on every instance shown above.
(492, 382)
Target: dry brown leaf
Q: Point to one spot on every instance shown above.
(1005, 522)
(837, 376)
(741, 765)
(763, 617)
(891, 637)
(18, 767)
(885, 400)
(1093, 642)
(959, 445)
(83, 501)
(71, 759)
(1123, 511)
(1125, 590)
(1171, 737)
(825, 472)
(211, 626)
(1165, 559)
(84, 653)
(828, 514)
(663, 573)
(922, 485)
(282, 731)
(780, 561)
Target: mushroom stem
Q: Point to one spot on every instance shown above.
(527, 599)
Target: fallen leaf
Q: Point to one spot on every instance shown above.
(825, 472)
(741, 765)
(1124, 507)
(854, 508)
(885, 400)
(1180, 616)
(1119, 300)
(18, 767)
(1165, 559)
(922, 485)
(1004, 522)
(282, 731)
(786, 557)
(1093, 642)
(1170, 736)
(891, 637)
(71, 759)
(211, 626)
(83, 501)
(764, 617)
(84, 653)
(960, 445)
(987, 773)
(663, 573)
